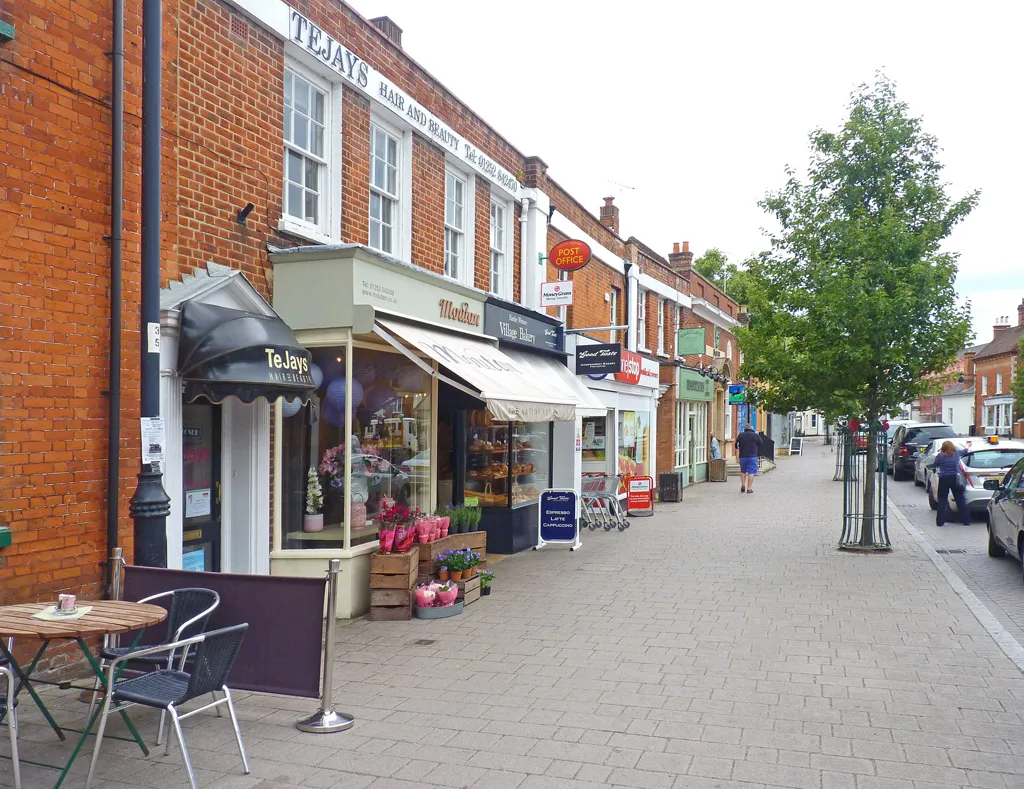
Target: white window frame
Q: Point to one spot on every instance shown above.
(467, 262)
(402, 246)
(999, 383)
(497, 282)
(641, 320)
(328, 229)
(661, 327)
(728, 421)
(700, 441)
(950, 415)
(681, 447)
(613, 311)
(984, 385)
(679, 325)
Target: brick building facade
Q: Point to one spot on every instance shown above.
(305, 111)
(995, 366)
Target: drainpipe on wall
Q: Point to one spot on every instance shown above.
(628, 294)
(116, 268)
(524, 243)
(150, 505)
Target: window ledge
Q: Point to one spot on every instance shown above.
(295, 228)
(644, 350)
(664, 355)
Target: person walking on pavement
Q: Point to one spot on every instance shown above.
(748, 447)
(947, 466)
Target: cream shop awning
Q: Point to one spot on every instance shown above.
(510, 388)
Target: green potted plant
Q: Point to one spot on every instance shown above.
(485, 582)
(313, 519)
(475, 513)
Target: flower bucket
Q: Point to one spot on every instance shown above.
(387, 540)
(447, 598)
(404, 536)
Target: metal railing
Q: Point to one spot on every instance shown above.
(865, 502)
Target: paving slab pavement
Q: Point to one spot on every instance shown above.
(722, 644)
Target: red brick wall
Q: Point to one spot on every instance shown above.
(989, 368)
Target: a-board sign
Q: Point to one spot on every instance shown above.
(640, 496)
(559, 517)
(796, 445)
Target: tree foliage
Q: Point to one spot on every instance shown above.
(854, 304)
(732, 280)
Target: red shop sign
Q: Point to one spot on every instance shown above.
(569, 255)
(631, 366)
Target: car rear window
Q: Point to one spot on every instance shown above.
(994, 458)
(922, 435)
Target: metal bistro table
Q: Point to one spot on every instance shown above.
(107, 617)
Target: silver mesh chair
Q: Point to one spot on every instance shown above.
(9, 705)
(167, 688)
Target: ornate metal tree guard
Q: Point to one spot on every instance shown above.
(865, 501)
(839, 450)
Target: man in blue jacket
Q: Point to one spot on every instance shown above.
(748, 447)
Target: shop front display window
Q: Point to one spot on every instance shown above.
(388, 441)
(508, 464)
(634, 457)
(595, 446)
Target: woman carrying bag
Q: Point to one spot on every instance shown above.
(947, 466)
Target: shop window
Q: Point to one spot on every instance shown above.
(595, 446)
(388, 441)
(455, 226)
(499, 212)
(306, 152)
(682, 450)
(700, 433)
(634, 458)
(385, 176)
(661, 326)
(508, 464)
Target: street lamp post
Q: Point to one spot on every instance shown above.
(150, 504)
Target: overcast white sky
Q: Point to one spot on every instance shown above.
(688, 112)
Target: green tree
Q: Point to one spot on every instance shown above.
(715, 267)
(855, 304)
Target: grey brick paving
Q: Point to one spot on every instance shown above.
(722, 644)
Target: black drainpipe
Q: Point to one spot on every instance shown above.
(116, 252)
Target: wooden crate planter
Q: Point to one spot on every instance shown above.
(474, 540)
(469, 591)
(392, 577)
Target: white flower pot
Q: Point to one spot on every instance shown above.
(313, 522)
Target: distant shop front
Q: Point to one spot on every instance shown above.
(694, 396)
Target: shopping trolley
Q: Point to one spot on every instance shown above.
(601, 503)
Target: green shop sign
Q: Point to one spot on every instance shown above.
(692, 342)
(694, 386)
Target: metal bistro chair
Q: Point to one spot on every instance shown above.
(188, 615)
(9, 705)
(167, 689)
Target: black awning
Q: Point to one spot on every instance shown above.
(223, 352)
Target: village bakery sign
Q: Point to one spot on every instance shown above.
(520, 329)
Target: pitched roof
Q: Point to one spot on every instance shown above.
(973, 349)
(1005, 341)
(958, 389)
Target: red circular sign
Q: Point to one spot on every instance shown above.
(569, 255)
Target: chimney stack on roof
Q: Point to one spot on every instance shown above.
(681, 259)
(1002, 322)
(1020, 314)
(610, 215)
(387, 26)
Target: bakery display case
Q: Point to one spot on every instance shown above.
(508, 464)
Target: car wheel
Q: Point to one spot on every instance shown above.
(995, 550)
(932, 501)
(917, 482)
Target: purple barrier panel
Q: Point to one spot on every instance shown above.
(283, 649)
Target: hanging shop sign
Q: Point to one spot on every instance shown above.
(569, 255)
(640, 496)
(691, 342)
(604, 359)
(556, 294)
(559, 518)
(518, 328)
(737, 394)
(693, 386)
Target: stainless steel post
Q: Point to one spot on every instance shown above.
(327, 719)
(116, 563)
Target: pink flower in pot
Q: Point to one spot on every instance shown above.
(444, 526)
(387, 540)
(446, 593)
(425, 596)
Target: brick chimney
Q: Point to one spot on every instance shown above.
(387, 26)
(610, 215)
(1002, 322)
(1020, 313)
(681, 259)
(534, 169)
(968, 366)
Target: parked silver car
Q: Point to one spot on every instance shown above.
(989, 458)
(925, 460)
(1006, 515)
